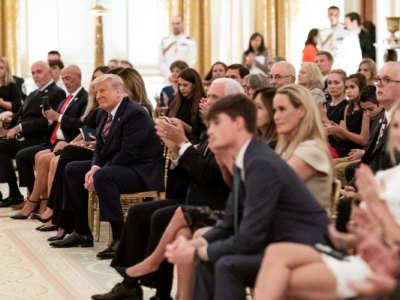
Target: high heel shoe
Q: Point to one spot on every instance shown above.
(57, 238)
(20, 216)
(36, 216)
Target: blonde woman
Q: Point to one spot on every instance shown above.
(10, 99)
(367, 68)
(300, 271)
(310, 77)
(302, 141)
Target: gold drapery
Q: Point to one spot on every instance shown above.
(272, 19)
(197, 21)
(99, 47)
(8, 33)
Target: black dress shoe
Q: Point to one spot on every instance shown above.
(74, 240)
(121, 292)
(109, 252)
(45, 228)
(39, 227)
(19, 217)
(57, 238)
(11, 200)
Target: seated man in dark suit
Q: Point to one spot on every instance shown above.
(65, 123)
(375, 155)
(28, 127)
(268, 203)
(147, 222)
(127, 159)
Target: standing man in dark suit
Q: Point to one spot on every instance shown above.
(147, 222)
(28, 127)
(127, 159)
(268, 203)
(352, 21)
(64, 123)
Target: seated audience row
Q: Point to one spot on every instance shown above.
(250, 177)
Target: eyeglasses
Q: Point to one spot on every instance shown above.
(278, 77)
(384, 80)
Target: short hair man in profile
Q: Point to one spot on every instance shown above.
(282, 73)
(237, 72)
(324, 61)
(53, 55)
(56, 66)
(113, 63)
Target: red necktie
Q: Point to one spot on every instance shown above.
(53, 137)
(106, 128)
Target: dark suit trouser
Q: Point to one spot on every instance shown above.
(350, 171)
(62, 218)
(25, 164)
(227, 278)
(142, 231)
(109, 183)
(75, 196)
(8, 150)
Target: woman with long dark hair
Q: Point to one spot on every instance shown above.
(255, 58)
(185, 105)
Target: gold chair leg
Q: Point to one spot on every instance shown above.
(98, 224)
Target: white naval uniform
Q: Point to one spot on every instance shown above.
(344, 45)
(176, 47)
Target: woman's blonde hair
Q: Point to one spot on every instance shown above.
(135, 88)
(391, 147)
(309, 128)
(92, 102)
(316, 79)
(371, 65)
(7, 72)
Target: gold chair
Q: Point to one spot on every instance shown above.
(336, 186)
(127, 200)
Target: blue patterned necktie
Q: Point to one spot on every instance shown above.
(235, 188)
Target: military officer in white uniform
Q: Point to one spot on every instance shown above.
(177, 46)
(341, 43)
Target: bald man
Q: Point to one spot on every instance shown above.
(64, 122)
(28, 127)
(282, 73)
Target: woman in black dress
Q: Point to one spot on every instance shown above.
(10, 99)
(185, 105)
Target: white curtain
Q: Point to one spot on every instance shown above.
(231, 27)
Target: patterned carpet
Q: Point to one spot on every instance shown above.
(30, 269)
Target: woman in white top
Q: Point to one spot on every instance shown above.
(300, 271)
(302, 142)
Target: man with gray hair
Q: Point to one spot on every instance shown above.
(282, 73)
(126, 160)
(146, 222)
(219, 88)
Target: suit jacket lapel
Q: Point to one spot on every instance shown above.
(28, 100)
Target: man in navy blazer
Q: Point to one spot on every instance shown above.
(268, 203)
(64, 123)
(127, 159)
